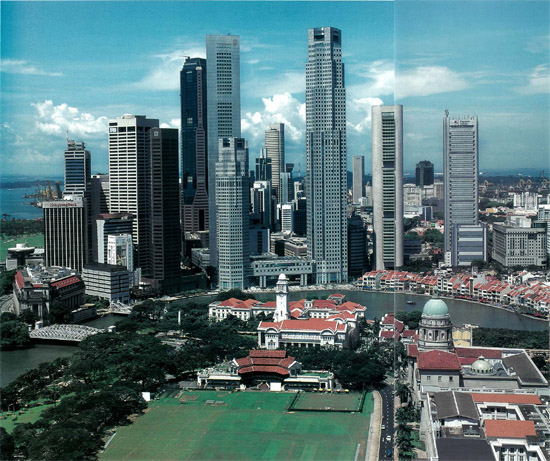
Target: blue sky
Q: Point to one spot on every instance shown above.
(74, 65)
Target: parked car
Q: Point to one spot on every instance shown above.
(388, 438)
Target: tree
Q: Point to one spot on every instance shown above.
(27, 316)
(403, 391)
(14, 334)
(7, 445)
(6, 279)
(7, 317)
(233, 293)
(60, 312)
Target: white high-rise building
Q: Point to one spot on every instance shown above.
(223, 96)
(120, 251)
(358, 177)
(275, 147)
(287, 217)
(129, 175)
(232, 213)
(460, 167)
(326, 158)
(387, 185)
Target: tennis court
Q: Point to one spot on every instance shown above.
(239, 425)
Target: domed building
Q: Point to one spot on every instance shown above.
(482, 367)
(435, 330)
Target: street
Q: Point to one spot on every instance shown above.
(386, 446)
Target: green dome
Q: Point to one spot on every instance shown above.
(435, 307)
(481, 366)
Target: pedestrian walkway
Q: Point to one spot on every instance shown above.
(373, 440)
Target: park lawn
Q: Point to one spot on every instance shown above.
(248, 425)
(25, 415)
(33, 240)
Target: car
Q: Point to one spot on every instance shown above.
(383, 427)
(388, 452)
(388, 438)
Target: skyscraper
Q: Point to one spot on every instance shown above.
(387, 185)
(424, 173)
(224, 111)
(263, 167)
(460, 166)
(326, 185)
(165, 231)
(129, 182)
(77, 169)
(232, 213)
(193, 145)
(65, 232)
(358, 177)
(275, 147)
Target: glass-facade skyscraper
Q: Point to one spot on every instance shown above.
(223, 86)
(326, 159)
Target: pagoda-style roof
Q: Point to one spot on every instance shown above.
(264, 361)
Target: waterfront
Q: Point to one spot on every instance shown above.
(13, 204)
(16, 362)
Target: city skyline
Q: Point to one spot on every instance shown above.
(501, 82)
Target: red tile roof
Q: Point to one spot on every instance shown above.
(412, 350)
(438, 360)
(509, 429)
(19, 279)
(337, 295)
(263, 353)
(467, 360)
(526, 399)
(306, 324)
(488, 353)
(65, 282)
(264, 369)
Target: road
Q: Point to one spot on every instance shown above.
(6, 303)
(387, 421)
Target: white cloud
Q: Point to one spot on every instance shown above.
(56, 120)
(166, 73)
(20, 66)
(539, 44)
(380, 76)
(428, 80)
(359, 113)
(174, 123)
(280, 108)
(539, 81)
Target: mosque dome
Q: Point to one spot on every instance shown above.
(481, 366)
(435, 307)
(282, 277)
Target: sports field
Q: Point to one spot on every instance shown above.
(241, 425)
(327, 402)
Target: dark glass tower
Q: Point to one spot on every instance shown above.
(424, 173)
(194, 144)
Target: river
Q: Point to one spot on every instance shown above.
(15, 362)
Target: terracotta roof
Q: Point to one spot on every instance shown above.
(307, 324)
(269, 304)
(467, 360)
(408, 333)
(264, 369)
(230, 302)
(264, 353)
(438, 360)
(527, 399)
(412, 350)
(509, 429)
(19, 279)
(337, 295)
(488, 353)
(65, 282)
(323, 304)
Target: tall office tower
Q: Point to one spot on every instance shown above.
(460, 167)
(232, 213)
(285, 186)
(286, 212)
(193, 145)
(99, 196)
(165, 230)
(387, 185)
(224, 112)
(65, 232)
(275, 147)
(326, 185)
(77, 169)
(120, 251)
(300, 217)
(263, 167)
(298, 192)
(424, 173)
(357, 246)
(358, 177)
(129, 171)
(260, 198)
(110, 224)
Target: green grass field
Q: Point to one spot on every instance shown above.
(326, 401)
(33, 240)
(25, 415)
(248, 425)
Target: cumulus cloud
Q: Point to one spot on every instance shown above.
(174, 123)
(280, 108)
(379, 75)
(20, 66)
(539, 81)
(55, 120)
(359, 114)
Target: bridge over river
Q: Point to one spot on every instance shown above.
(69, 333)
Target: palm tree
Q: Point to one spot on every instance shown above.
(403, 391)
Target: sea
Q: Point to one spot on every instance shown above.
(13, 203)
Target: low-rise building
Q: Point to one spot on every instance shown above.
(519, 246)
(107, 281)
(36, 287)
